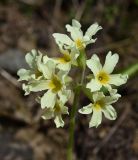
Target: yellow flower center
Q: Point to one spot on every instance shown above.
(65, 59)
(103, 77)
(55, 84)
(79, 44)
(99, 105)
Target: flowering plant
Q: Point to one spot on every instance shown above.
(52, 76)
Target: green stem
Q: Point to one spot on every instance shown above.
(82, 64)
(82, 76)
(72, 124)
(73, 116)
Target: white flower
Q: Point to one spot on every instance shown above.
(102, 104)
(34, 60)
(54, 83)
(69, 58)
(102, 75)
(56, 113)
(77, 40)
(56, 86)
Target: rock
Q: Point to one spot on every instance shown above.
(12, 60)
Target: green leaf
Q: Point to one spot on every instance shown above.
(131, 71)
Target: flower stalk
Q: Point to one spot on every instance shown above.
(73, 113)
(72, 124)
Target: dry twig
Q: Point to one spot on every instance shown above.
(9, 77)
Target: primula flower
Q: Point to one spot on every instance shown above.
(54, 83)
(102, 75)
(77, 40)
(69, 58)
(33, 59)
(56, 113)
(38, 64)
(101, 104)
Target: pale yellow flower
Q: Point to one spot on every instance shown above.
(102, 75)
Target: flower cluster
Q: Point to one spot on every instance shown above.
(51, 75)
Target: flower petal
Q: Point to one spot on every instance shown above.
(24, 74)
(109, 100)
(45, 70)
(48, 100)
(98, 96)
(114, 96)
(75, 32)
(96, 119)
(62, 38)
(76, 23)
(47, 67)
(30, 58)
(110, 112)
(88, 40)
(110, 62)
(64, 66)
(92, 30)
(64, 95)
(62, 76)
(48, 114)
(26, 88)
(64, 110)
(94, 64)
(113, 93)
(86, 109)
(93, 85)
(39, 85)
(58, 121)
(118, 79)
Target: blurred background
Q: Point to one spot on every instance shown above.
(27, 24)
